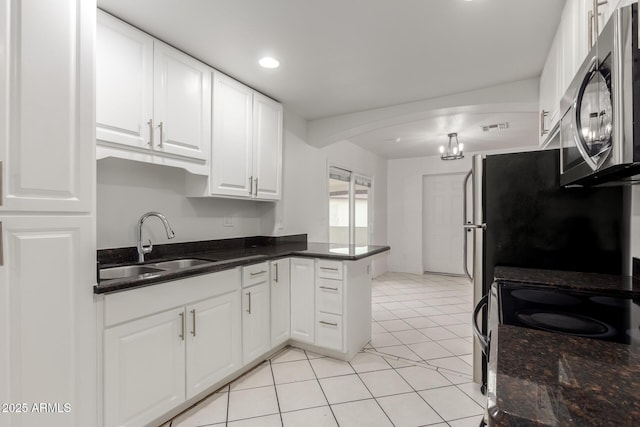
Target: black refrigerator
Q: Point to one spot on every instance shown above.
(518, 215)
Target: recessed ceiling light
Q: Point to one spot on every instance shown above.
(269, 62)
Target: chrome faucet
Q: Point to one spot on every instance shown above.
(142, 249)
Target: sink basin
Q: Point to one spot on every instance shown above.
(179, 263)
(126, 271)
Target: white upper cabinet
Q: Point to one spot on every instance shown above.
(232, 145)
(246, 150)
(153, 102)
(124, 83)
(267, 147)
(182, 103)
(576, 34)
(46, 98)
(550, 84)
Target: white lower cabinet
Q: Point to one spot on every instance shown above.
(255, 322)
(280, 311)
(303, 300)
(256, 331)
(144, 368)
(213, 341)
(157, 357)
(331, 305)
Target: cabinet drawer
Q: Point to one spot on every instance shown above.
(329, 296)
(254, 274)
(330, 269)
(329, 329)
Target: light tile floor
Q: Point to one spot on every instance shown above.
(416, 370)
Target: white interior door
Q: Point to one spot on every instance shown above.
(442, 240)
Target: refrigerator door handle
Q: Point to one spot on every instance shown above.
(464, 217)
(482, 339)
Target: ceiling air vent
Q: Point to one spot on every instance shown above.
(495, 127)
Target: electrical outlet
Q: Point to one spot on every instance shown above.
(229, 221)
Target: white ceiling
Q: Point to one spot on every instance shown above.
(343, 56)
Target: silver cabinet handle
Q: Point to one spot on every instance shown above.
(182, 326)
(328, 268)
(250, 185)
(590, 30)
(256, 192)
(193, 315)
(328, 288)
(150, 124)
(249, 295)
(258, 272)
(1, 175)
(161, 127)
(1, 246)
(328, 323)
(276, 267)
(543, 115)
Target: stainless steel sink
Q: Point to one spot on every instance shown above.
(126, 271)
(179, 263)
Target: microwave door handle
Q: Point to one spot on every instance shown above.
(465, 184)
(482, 339)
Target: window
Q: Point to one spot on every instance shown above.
(349, 207)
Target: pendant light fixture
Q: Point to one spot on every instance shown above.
(452, 151)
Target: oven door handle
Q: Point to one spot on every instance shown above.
(482, 339)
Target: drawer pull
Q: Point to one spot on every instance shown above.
(328, 288)
(329, 268)
(328, 323)
(258, 272)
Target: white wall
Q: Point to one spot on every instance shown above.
(127, 189)
(405, 181)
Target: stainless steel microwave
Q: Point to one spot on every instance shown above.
(600, 112)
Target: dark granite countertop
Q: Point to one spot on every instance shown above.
(586, 282)
(224, 254)
(539, 378)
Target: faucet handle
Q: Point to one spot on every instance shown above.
(147, 249)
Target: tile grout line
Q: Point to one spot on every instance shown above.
(226, 420)
(275, 389)
(322, 389)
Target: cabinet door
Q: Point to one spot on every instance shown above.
(267, 147)
(214, 341)
(232, 145)
(144, 368)
(280, 317)
(182, 103)
(46, 106)
(550, 85)
(124, 83)
(255, 322)
(303, 299)
(47, 338)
